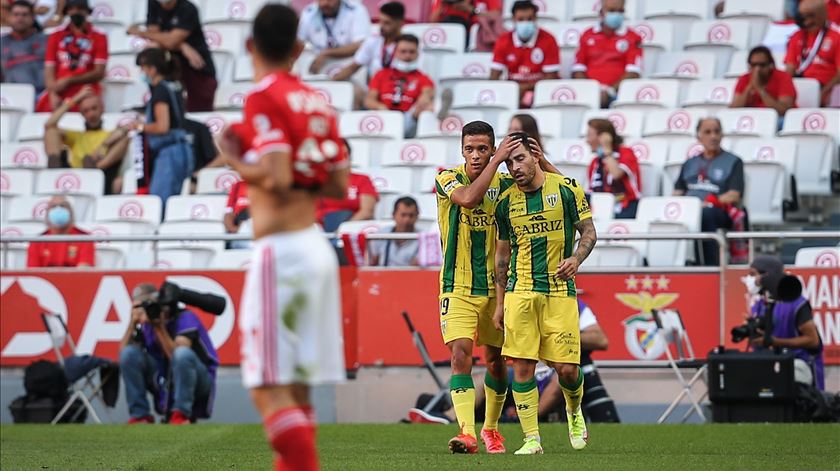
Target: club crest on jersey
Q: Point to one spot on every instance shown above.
(492, 193)
(537, 55)
(621, 45)
(551, 199)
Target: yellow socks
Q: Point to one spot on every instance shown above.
(573, 392)
(527, 399)
(462, 390)
(495, 392)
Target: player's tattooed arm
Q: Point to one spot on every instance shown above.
(568, 267)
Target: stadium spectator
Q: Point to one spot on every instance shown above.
(237, 212)
(793, 319)
(92, 148)
(833, 9)
(358, 205)
(398, 253)
(609, 52)
(60, 221)
(334, 28)
(402, 86)
(614, 168)
(814, 50)
(49, 13)
(204, 149)
(172, 155)
(175, 25)
(717, 178)
(764, 86)
(486, 13)
(170, 353)
(22, 50)
(76, 56)
(527, 54)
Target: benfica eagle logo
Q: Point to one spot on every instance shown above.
(640, 328)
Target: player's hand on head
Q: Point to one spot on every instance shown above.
(505, 149)
(568, 268)
(536, 150)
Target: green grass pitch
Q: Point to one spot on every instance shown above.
(422, 447)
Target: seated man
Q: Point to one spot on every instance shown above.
(402, 86)
(609, 52)
(814, 50)
(59, 219)
(377, 50)
(398, 253)
(764, 86)
(92, 148)
(528, 54)
(22, 53)
(334, 28)
(358, 205)
(166, 351)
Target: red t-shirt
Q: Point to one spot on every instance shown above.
(779, 85)
(76, 54)
(526, 62)
(479, 6)
(605, 57)
(60, 254)
(284, 114)
(827, 60)
(358, 185)
(628, 188)
(833, 9)
(401, 87)
(237, 198)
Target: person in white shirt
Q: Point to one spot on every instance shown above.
(377, 51)
(334, 28)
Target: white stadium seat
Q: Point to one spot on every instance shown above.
(669, 214)
(231, 96)
(29, 208)
(807, 92)
(603, 205)
(391, 180)
(365, 226)
(122, 68)
(645, 94)
(115, 120)
(769, 165)
(657, 37)
(591, 9)
(623, 226)
(679, 14)
(215, 120)
(613, 255)
(123, 96)
(113, 14)
(710, 94)
(18, 97)
(568, 38)
(360, 150)
(469, 66)
(490, 97)
(13, 256)
(427, 206)
(678, 122)
(85, 184)
(761, 122)
(554, 10)
(243, 69)
(550, 122)
(24, 155)
(195, 208)
(8, 127)
(439, 42)
(628, 123)
(428, 124)
(216, 180)
(201, 252)
(571, 156)
(31, 126)
(230, 11)
(338, 94)
(232, 259)
(16, 229)
(137, 209)
(817, 133)
(226, 42)
(372, 124)
(758, 12)
(685, 65)
(652, 153)
(16, 182)
(120, 42)
(824, 257)
(720, 37)
(414, 153)
(113, 255)
(573, 97)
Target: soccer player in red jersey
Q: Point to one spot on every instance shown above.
(289, 153)
(528, 53)
(609, 52)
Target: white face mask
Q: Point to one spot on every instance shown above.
(751, 282)
(404, 66)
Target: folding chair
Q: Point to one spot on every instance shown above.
(671, 330)
(83, 385)
(443, 388)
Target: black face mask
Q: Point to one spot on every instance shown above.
(78, 19)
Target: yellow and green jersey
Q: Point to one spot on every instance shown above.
(541, 231)
(468, 235)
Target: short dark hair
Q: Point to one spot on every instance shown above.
(408, 37)
(529, 126)
(604, 125)
(25, 4)
(275, 31)
(708, 118)
(523, 5)
(478, 128)
(395, 10)
(405, 200)
(762, 50)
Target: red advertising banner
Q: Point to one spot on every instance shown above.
(822, 288)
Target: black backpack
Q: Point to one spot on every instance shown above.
(45, 379)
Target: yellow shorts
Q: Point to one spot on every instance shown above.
(540, 327)
(469, 317)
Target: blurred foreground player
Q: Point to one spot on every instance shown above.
(291, 155)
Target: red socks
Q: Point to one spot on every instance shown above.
(291, 434)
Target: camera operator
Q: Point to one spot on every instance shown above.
(793, 324)
(166, 351)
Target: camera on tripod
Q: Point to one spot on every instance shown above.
(170, 294)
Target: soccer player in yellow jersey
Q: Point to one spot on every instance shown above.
(536, 303)
(466, 199)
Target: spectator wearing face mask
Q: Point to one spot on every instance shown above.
(614, 168)
(402, 86)
(527, 54)
(76, 56)
(609, 52)
(59, 221)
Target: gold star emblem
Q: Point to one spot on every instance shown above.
(632, 282)
(662, 283)
(647, 282)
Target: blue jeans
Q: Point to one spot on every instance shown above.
(173, 164)
(190, 379)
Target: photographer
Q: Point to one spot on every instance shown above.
(793, 324)
(166, 351)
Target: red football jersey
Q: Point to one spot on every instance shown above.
(400, 90)
(827, 59)
(73, 54)
(282, 114)
(526, 62)
(779, 85)
(61, 254)
(606, 57)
